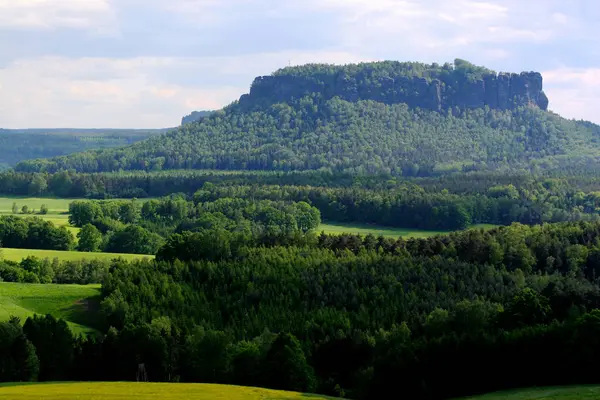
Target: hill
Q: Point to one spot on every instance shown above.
(554, 393)
(23, 144)
(406, 119)
(134, 390)
(73, 303)
(401, 118)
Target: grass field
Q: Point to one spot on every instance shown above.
(556, 393)
(55, 206)
(19, 254)
(143, 391)
(73, 303)
(364, 229)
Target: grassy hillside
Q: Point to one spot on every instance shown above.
(552, 393)
(134, 390)
(73, 303)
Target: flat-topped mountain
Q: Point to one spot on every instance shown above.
(400, 118)
(432, 87)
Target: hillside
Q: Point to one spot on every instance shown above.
(406, 119)
(23, 144)
(76, 304)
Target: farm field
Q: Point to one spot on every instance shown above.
(135, 390)
(73, 303)
(55, 206)
(550, 393)
(365, 229)
(19, 254)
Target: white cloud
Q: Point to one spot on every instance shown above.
(51, 14)
(573, 92)
(129, 93)
(433, 29)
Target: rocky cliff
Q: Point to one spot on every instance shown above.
(418, 85)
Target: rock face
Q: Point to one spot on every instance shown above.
(435, 91)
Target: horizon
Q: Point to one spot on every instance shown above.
(127, 64)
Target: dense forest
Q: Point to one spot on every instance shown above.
(23, 144)
(316, 128)
(343, 315)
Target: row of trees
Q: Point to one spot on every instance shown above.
(33, 233)
(123, 226)
(37, 270)
(449, 202)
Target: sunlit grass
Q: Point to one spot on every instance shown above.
(377, 230)
(19, 254)
(144, 391)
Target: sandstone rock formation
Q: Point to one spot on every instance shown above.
(437, 90)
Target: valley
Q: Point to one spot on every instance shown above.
(352, 230)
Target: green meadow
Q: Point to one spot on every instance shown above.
(73, 303)
(19, 254)
(365, 229)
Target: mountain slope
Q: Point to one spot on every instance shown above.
(290, 127)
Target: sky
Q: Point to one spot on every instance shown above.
(146, 63)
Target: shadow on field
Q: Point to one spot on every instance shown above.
(85, 312)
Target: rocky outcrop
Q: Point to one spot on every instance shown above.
(435, 91)
(195, 116)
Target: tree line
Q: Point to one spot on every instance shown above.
(45, 270)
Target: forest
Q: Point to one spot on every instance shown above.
(245, 289)
(342, 316)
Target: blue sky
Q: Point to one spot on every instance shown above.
(146, 63)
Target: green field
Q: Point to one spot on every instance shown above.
(73, 303)
(365, 229)
(143, 391)
(19, 254)
(55, 206)
(552, 393)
